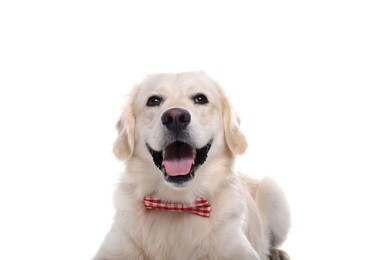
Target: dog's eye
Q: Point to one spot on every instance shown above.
(154, 101)
(200, 99)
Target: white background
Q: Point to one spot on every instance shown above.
(296, 72)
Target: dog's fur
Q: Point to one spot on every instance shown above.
(249, 219)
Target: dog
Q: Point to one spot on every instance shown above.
(179, 197)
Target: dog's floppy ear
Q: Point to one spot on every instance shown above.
(124, 143)
(234, 137)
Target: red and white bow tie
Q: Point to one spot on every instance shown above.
(201, 207)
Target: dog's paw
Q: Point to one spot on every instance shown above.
(277, 254)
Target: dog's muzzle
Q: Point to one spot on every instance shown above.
(178, 160)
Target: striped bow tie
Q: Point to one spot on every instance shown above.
(201, 206)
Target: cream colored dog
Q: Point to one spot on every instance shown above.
(179, 138)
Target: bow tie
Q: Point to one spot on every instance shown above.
(201, 206)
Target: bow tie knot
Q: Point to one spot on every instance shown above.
(201, 206)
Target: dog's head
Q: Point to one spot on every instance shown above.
(178, 123)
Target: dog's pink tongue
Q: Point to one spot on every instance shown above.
(178, 159)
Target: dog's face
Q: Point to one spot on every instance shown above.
(175, 122)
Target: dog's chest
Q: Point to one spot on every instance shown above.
(174, 235)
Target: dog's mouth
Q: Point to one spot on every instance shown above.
(178, 161)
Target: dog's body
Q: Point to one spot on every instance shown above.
(179, 139)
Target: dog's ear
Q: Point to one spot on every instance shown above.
(234, 137)
(124, 143)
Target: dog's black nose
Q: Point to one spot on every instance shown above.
(176, 119)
